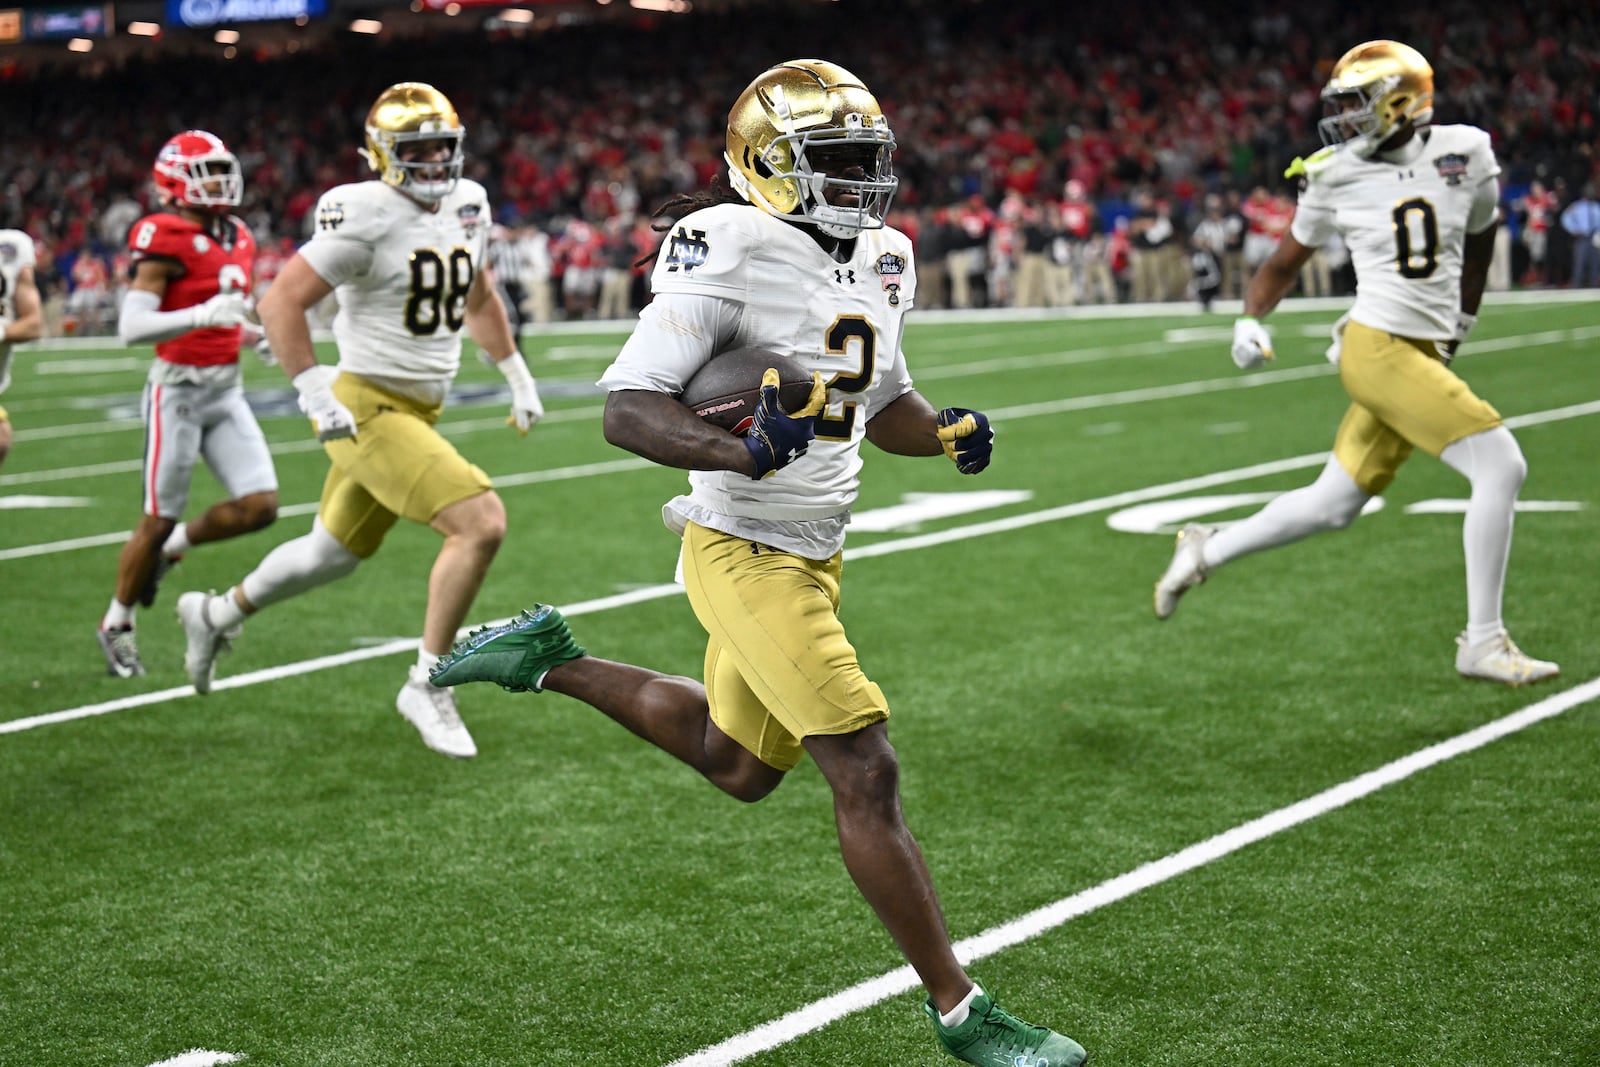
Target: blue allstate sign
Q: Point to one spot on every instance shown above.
(227, 12)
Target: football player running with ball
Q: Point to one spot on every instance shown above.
(192, 267)
(1417, 206)
(795, 259)
(406, 255)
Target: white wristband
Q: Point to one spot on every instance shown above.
(515, 368)
(1464, 325)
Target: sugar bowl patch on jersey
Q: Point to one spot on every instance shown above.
(1452, 167)
(891, 267)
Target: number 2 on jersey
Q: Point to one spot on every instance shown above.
(845, 329)
(438, 292)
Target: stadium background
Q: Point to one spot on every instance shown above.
(584, 116)
(280, 870)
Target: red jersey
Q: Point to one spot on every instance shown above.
(1077, 218)
(1540, 207)
(89, 272)
(206, 266)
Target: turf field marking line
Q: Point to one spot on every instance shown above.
(657, 592)
(455, 426)
(200, 1057)
(969, 950)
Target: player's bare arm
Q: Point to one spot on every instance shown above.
(283, 309)
(659, 428)
(489, 325)
(487, 322)
(1275, 277)
(1475, 257)
(28, 324)
(907, 427)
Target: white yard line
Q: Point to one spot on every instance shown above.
(200, 1057)
(997, 415)
(556, 474)
(863, 995)
(956, 370)
(656, 592)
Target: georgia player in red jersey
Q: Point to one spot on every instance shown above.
(189, 294)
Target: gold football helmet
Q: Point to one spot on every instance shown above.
(797, 138)
(1376, 89)
(406, 114)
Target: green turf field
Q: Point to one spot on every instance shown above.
(281, 871)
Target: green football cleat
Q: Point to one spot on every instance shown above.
(515, 655)
(993, 1037)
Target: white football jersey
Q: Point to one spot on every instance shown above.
(401, 275)
(16, 255)
(1405, 225)
(780, 291)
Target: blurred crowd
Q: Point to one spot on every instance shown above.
(1049, 154)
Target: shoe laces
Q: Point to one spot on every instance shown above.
(1500, 646)
(123, 644)
(443, 702)
(1000, 1028)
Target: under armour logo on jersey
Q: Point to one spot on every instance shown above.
(330, 216)
(844, 277)
(688, 249)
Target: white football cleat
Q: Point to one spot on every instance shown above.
(433, 712)
(1187, 569)
(1500, 660)
(202, 640)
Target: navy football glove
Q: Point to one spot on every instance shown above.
(777, 438)
(967, 438)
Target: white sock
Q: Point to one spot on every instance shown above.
(1332, 502)
(296, 566)
(177, 541)
(427, 660)
(118, 615)
(958, 1014)
(1493, 463)
(224, 611)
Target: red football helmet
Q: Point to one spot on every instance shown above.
(195, 169)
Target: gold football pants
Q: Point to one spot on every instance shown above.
(778, 665)
(396, 466)
(1404, 397)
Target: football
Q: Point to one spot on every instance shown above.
(727, 389)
